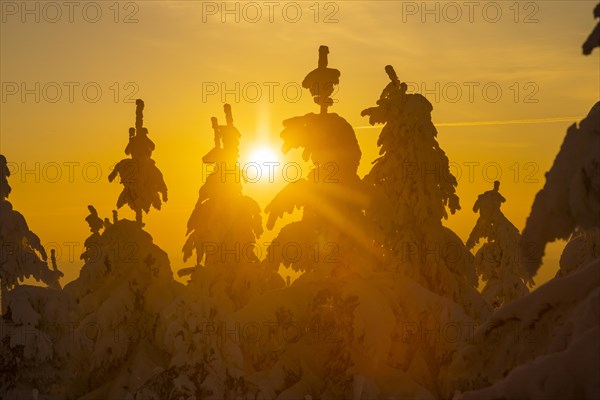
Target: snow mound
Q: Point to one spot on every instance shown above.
(549, 342)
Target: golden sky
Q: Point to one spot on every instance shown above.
(505, 78)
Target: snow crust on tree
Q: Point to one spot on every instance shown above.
(413, 190)
(222, 231)
(497, 261)
(583, 248)
(385, 305)
(201, 364)
(33, 359)
(21, 251)
(120, 293)
(143, 183)
(319, 336)
(224, 227)
(570, 197)
(36, 344)
(543, 345)
(23, 255)
(223, 215)
(331, 230)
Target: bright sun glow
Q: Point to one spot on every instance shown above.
(261, 164)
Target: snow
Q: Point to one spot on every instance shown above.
(122, 289)
(23, 256)
(385, 305)
(414, 191)
(571, 196)
(549, 342)
(497, 261)
(36, 342)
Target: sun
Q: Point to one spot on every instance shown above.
(263, 154)
(261, 164)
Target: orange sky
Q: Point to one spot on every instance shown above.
(178, 54)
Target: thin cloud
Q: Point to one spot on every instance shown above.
(497, 122)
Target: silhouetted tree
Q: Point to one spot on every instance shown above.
(31, 362)
(321, 81)
(220, 198)
(593, 40)
(331, 196)
(21, 252)
(122, 290)
(412, 191)
(570, 198)
(223, 230)
(544, 344)
(497, 261)
(142, 180)
(330, 246)
(343, 348)
(5, 188)
(571, 194)
(225, 224)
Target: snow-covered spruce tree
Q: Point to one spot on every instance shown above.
(497, 261)
(331, 196)
(32, 354)
(413, 191)
(142, 180)
(22, 255)
(223, 230)
(584, 244)
(224, 227)
(549, 338)
(326, 245)
(319, 336)
(122, 289)
(123, 286)
(570, 198)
